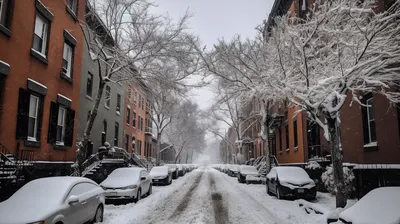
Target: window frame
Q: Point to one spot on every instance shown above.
(107, 100)
(287, 134)
(128, 116)
(45, 39)
(296, 141)
(134, 119)
(62, 139)
(68, 71)
(370, 118)
(91, 85)
(35, 128)
(127, 138)
(118, 106)
(116, 133)
(280, 140)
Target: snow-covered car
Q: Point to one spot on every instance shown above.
(55, 200)
(233, 170)
(381, 205)
(290, 181)
(181, 170)
(174, 170)
(248, 174)
(161, 175)
(127, 183)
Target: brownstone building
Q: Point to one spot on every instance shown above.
(138, 124)
(41, 56)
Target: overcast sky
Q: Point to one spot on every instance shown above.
(215, 19)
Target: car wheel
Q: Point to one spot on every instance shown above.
(138, 196)
(99, 214)
(268, 191)
(278, 193)
(150, 190)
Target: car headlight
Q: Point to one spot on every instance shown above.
(104, 188)
(129, 187)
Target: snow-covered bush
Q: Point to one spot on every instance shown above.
(327, 179)
(312, 165)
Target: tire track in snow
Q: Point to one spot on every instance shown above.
(186, 198)
(220, 211)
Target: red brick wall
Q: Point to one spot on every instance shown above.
(387, 133)
(291, 156)
(16, 51)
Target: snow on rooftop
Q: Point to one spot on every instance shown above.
(62, 96)
(38, 83)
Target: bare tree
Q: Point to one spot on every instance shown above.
(344, 50)
(128, 43)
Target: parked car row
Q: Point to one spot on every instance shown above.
(245, 174)
(81, 200)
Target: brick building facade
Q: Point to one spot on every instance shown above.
(41, 56)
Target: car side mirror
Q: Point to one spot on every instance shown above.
(143, 178)
(73, 199)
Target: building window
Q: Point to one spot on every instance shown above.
(33, 115)
(287, 137)
(140, 101)
(296, 144)
(4, 12)
(139, 147)
(398, 116)
(280, 140)
(61, 126)
(72, 4)
(89, 85)
(108, 96)
(128, 115)
(40, 35)
(67, 60)
(118, 103)
(29, 117)
(369, 120)
(116, 134)
(135, 97)
(134, 120)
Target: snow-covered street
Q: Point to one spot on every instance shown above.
(208, 196)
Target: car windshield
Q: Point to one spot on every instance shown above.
(125, 173)
(198, 111)
(248, 170)
(159, 170)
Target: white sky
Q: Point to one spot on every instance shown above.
(214, 19)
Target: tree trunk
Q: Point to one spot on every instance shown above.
(158, 158)
(265, 124)
(81, 155)
(337, 164)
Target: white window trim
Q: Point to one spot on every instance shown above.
(1, 9)
(109, 98)
(44, 38)
(63, 125)
(68, 59)
(74, 3)
(369, 120)
(30, 138)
